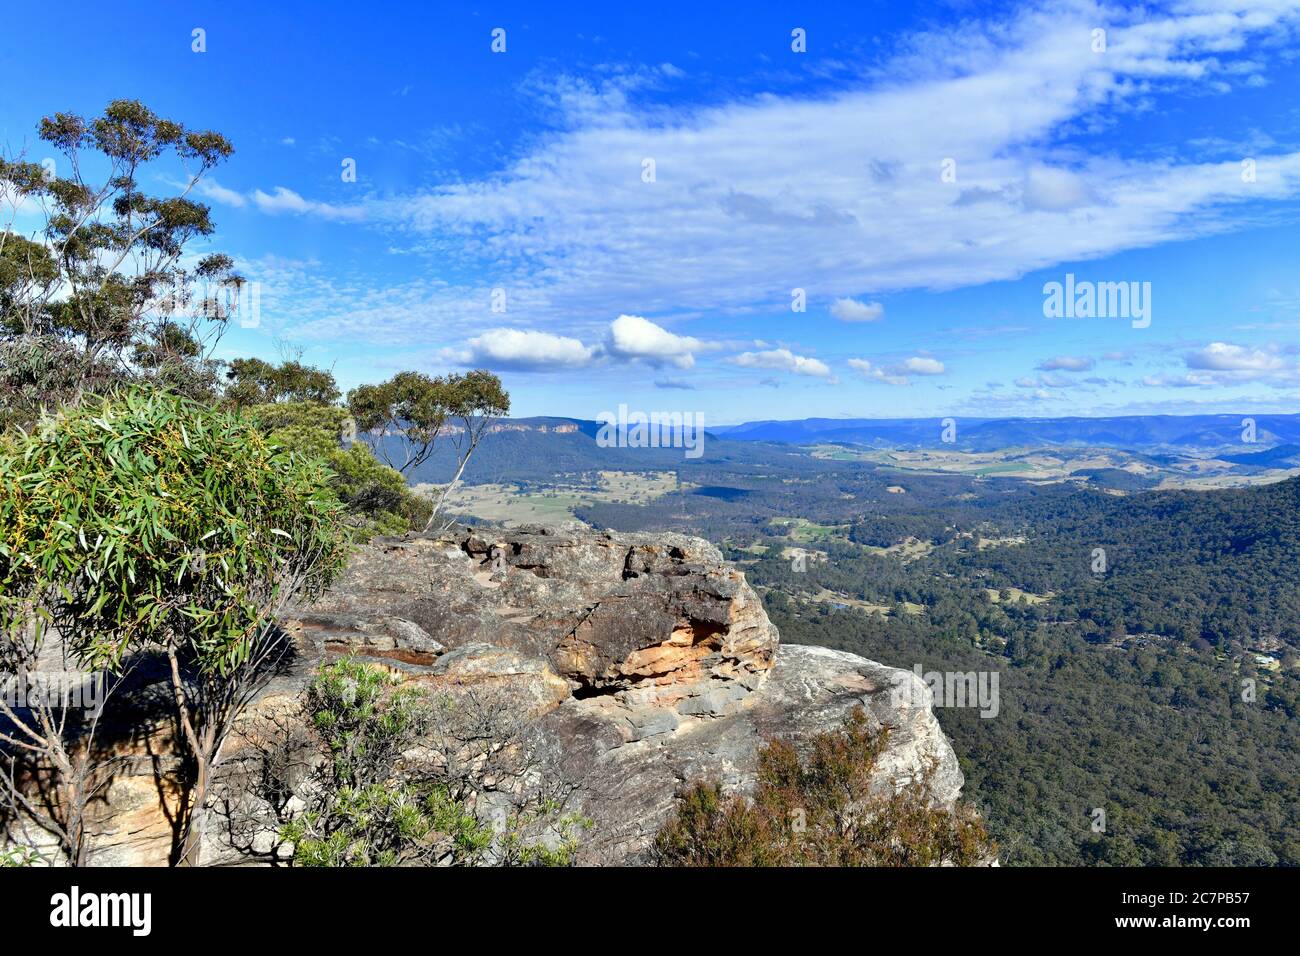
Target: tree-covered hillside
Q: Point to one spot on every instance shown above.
(1163, 690)
(1122, 628)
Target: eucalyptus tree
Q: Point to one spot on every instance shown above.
(107, 287)
(403, 419)
(253, 381)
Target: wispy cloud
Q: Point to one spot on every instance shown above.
(843, 192)
(577, 211)
(282, 199)
(1068, 363)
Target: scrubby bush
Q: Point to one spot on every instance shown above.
(410, 778)
(822, 810)
(16, 856)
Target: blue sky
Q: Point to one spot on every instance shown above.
(919, 175)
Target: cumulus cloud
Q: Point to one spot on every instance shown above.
(851, 310)
(924, 365)
(784, 360)
(898, 373)
(1225, 357)
(633, 337)
(526, 350)
(1067, 363)
(629, 338)
(1220, 364)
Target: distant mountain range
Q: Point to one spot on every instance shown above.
(534, 449)
(1130, 433)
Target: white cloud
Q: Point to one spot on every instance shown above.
(633, 337)
(286, 200)
(628, 338)
(526, 350)
(211, 189)
(1055, 190)
(1049, 381)
(898, 373)
(785, 360)
(1067, 363)
(1174, 381)
(1224, 357)
(839, 191)
(924, 365)
(867, 370)
(851, 310)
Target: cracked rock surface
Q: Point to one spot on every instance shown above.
(645, 659)
(649, 661)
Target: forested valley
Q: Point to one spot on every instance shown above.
(1146, 642)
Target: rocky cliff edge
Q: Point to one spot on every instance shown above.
(645, 661)
(649, 661)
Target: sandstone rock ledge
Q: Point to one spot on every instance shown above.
(648, 660)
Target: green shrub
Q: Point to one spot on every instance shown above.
(151, 518)
(405, 773)
(146, 522)
(368, 812)
(16, 856)
(822, 810)
(376, 495)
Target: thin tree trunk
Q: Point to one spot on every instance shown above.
(196, 817)
(446, 491)
(76, 814)
(198, 796)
